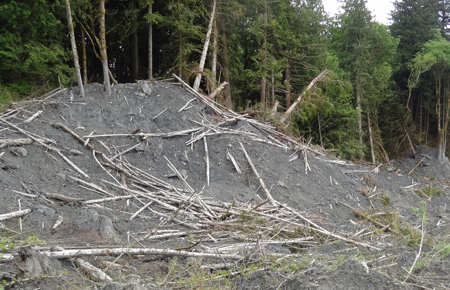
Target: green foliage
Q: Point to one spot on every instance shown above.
(429, 191)
(31, 47)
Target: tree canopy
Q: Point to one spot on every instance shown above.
(383, 85)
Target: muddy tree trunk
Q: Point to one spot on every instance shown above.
(83, 49)
(205, 49)
(104, 56)
(74, 48)
(226, 67)
(150, 45)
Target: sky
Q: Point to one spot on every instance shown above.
(380, 9)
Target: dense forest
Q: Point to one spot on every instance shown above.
(368, 91)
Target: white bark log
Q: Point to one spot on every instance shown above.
(135, 251)
(92, 271)
(14, 214)
(217, 91)
(263, 185)
(292, 107)
(205, 49)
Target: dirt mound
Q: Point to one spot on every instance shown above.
(153, 172)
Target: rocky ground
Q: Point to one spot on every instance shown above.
(151, 188)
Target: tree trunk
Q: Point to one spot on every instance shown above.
(150, 45)
(214, 56)
(226, 67)
(74, 48)
(370, 137)
(104, 56)
(320, 130)
(358, 106)
(134, 45)
(420, 118)
(83, 47)
(441, 149)
(288, 83)
(273, 89)
(292, 107)
(446, 120)
(180, 53)
(263, 70)
(205, 49)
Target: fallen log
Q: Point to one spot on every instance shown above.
(292, 107)
(135, 251)
(14, 214)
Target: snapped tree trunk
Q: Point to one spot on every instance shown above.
(74, 48)
(292, 107)
(205, 49)
(150, 45)
(83, 47)
(226, 67)
(104, 56)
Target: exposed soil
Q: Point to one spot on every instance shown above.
(326, 195)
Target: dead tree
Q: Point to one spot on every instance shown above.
(205, 49)
(74, 48)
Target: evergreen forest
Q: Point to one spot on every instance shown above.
(367, 91)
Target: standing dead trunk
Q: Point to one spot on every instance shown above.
(74, 48)
(134, 45)
(358, 106)
(150, 44)
(104, 56)
(263, 70)
(288, 83)
(83, 48)
(205, 49)
(226, 67)
(214, 56)
(370, 137)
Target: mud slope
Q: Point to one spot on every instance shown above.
(144, 139)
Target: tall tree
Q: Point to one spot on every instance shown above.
(351, 40)
(436, 55)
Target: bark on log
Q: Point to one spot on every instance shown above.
(135, 251)
(94, 272)
(14, 214)
(310, 86)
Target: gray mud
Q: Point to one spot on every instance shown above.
(326, 194)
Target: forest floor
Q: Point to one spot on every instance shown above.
(161, 195)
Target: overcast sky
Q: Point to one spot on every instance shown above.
(380, 9)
